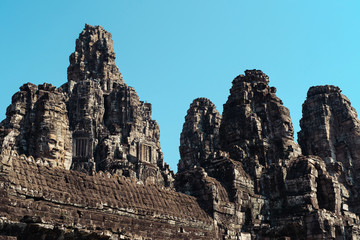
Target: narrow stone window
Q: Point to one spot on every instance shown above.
(108, 85)
(149, 154)
(325, 193)
(138, 150)
(81, 147)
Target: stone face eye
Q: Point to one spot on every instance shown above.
(52, 141)
(261, 86)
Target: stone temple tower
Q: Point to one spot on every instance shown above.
(94, 122)
(112, 129)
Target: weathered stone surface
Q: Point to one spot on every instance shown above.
(94, 58)
(40, 202)
(252, 179)
(94, 122)
(330, 129)
(223, 189)
(256, 128)
(200, 136)
(37, 124)
(315, 204)
(246, 177)
(112, 129)
(226, 193)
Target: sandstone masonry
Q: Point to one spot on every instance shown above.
(83, 161)
(248, 173)
(93, 122)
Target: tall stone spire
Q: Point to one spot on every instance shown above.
(330, 129)
(94, 58)
(112, 129)
(200, 135)
(329, 126)
(92, 123)
(256, 128)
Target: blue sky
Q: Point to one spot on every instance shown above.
(172, 52)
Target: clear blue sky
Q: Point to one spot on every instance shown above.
(172, 52)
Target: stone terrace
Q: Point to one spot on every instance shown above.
(36, 195)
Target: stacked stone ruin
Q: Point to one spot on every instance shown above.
(84, 161)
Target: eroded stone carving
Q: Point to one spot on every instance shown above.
(246, 176)
(94, 122)
(200, 135)
(251, 177)
(112, 129)
(330, 129)
(256, 128)
(94, 58)
(52, 139)
(37, 124)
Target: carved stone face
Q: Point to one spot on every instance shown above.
(52, 148)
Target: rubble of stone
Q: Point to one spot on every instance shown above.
(83, 161)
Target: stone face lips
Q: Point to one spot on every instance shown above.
(330, 129)
(256, 127)
(94, 122)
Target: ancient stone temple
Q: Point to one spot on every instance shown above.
(94, 122)
(37, 125)
(331, 130)
(84, 161)
(248, 173)
(112, 129)
(200, 137)
(256, 127)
